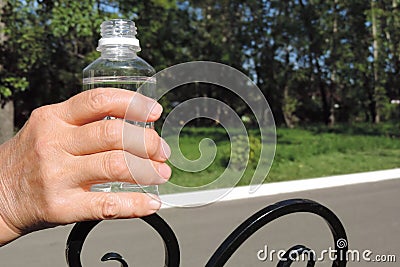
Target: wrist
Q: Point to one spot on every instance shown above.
(6, 233)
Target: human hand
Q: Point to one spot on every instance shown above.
(47, 169)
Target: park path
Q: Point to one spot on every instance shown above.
(370, 213)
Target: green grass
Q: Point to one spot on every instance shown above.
(300, 153)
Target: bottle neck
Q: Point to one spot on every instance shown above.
(118, 52)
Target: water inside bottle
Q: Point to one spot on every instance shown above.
(143, 85)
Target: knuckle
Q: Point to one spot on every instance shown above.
(40, 148)
(43, 149)
(39, 113)
(43, 140)
(152, 142)
(110, 206)
(40, 116)
(111, 133)
(115, 165)
(99, 99)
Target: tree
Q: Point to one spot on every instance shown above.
(377, 87)
(48, 44)
(11, 80)
(315, 61)
(390, 22)
(6, 105)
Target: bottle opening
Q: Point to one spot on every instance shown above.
(118, 32)
(118, 28)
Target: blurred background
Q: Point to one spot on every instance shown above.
(329, 69)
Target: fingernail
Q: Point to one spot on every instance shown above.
(166, 150)
(154, 203)
(164, 170)
(155, 108)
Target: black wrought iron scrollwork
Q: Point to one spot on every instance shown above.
(293, 253)
(232, 242)
(112, 256)
(81, 230)
(273, 212)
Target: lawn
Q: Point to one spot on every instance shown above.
(300, 153)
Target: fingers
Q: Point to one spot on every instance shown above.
(120, 166)
(98, 103)
(112, 150)
(107, 135)
(100, 206)
(145, 143)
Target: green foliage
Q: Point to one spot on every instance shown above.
(240, 152)
(245, 152)
(45, 50)
(391, 112)
(77, 17)
(301, 153)
(12, 83)
(5, 91)
(313, 60)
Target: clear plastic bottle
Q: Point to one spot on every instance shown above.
(120, 67)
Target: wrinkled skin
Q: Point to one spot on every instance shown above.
(46, 170)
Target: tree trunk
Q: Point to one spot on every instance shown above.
(333, 85)
(314, 64)
(375, 111)
(287, 110)
(7, 121)
(288, 104)
(326, 111)
(6, 108)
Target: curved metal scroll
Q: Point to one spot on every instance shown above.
(81, 230)
(272, 212)
(293, 253)
(232, 242)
